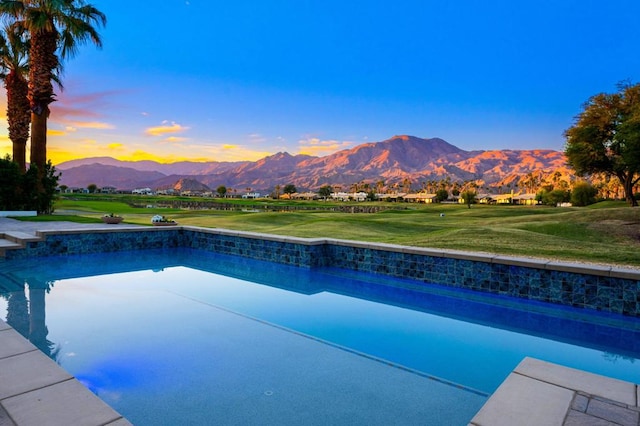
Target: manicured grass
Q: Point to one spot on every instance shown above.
(606, 233)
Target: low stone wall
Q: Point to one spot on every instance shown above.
(601, 288)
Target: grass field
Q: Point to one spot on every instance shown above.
(607, 232)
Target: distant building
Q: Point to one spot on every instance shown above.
(526, 199)
(143, 191)
(251, 195)
(420, 198)
(346, 196)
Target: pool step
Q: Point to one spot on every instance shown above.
(15, 240)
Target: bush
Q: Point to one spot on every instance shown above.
(555, 197)
(442, 195)
(26, 191)
(583, 194)
(10, 187)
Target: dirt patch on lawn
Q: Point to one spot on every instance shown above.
(620, 229)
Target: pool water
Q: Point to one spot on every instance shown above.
(188, 336)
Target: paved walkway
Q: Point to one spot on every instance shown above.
(8, 225)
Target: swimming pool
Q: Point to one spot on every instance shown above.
(165, 334)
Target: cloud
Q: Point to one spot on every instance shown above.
(92, 125)
(54, 132)
(176, 139)
(231, 152)
(165, 129)
(317, 147)
(82, 111)
(116, 146)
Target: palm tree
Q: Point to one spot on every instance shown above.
(14, 48)
(54, 26)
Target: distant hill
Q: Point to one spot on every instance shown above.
(108, 175)
(392, 161)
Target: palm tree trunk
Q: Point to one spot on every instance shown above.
(39, 139)
(43, 62)
(18, 116)
(19, 155)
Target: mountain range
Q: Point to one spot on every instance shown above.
(393, 161)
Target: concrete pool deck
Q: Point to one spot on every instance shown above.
(540, 393)
(34, 390)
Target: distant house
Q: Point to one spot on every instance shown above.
(169, 191)
(251, 195)
(495, 198)
(420, 198)
(525, 200)
(143, 191)
(76, 190)
(346, 196)
(190, 193)
(305, 196)
(108, 190)
(391, 197)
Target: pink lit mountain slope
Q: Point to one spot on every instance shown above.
(391, 161)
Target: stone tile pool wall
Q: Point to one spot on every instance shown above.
(608, 289)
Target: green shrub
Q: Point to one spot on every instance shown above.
(583, 194)
(26, 191)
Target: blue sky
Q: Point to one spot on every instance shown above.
(239, 80)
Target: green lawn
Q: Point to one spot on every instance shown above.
(604, 233)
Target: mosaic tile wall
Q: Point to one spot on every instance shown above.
(99, 242)
(603, 293)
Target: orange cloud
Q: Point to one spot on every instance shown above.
(175, 139)
(165, 129)
(91, 125)
(317, 147)
(54, 132)
(81, 110)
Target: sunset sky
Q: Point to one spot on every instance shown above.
(238, 80)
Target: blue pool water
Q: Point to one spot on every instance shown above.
(186, 336)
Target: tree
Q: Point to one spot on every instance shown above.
(469, 197)
(553, 197)
(583, 194)
(14, 48)
(605, 137)
(10, 185)
(54, 26)
(442, 195)
(325, 191)
(39, 189)
(92, 187)
(290, 189)
(222, 191)
(18, 191)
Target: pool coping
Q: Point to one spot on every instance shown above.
(569, 397)
(59, 395)
(34, 390)
(613, 271)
